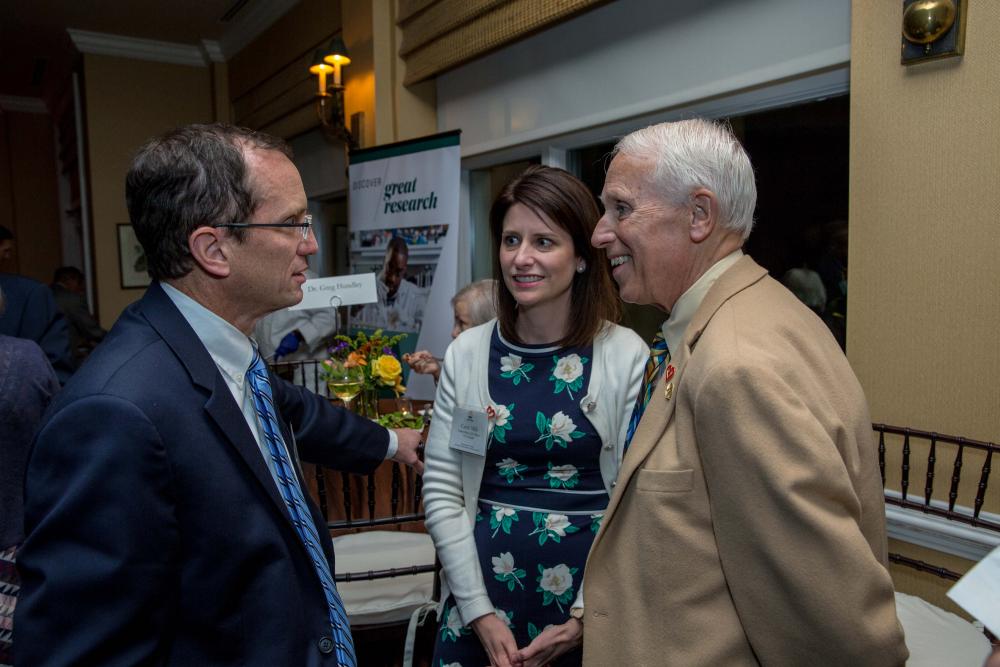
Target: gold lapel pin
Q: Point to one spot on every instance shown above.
(668, 393)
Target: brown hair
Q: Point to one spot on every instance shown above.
(563, 199)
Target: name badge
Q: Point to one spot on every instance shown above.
(469, 431)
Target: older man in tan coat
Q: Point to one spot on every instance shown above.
(748, 524)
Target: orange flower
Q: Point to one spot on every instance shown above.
(355, 359)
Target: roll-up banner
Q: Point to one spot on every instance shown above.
(403, 210)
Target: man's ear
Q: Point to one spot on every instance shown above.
(210, 251)
(705, 214)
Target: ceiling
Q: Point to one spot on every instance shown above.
(36, 52)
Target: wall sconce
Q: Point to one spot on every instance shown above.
(932, 29)
(330, 97)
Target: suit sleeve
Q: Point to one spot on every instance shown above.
(786, 521)
(97, 574)
(444, 500)
(329, 435)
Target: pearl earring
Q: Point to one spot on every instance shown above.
(581, 267)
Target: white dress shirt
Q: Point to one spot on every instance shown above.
(232, 351)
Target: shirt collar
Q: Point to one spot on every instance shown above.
(686, 306)
(231, 349)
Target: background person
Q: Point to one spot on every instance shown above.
(69, 288)
(27, 384)
(555, 380)
(748, 523)
(30, 312)
(165, 515)
(474, 304)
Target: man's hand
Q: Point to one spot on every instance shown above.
(410, 448)
(498, 641)
(288, 344)
(552, 643)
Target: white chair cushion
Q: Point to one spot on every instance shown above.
(388, 600)
(937, 637)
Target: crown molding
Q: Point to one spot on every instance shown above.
(22, 104)
(136, 48)
(212, 51)
(251, 22)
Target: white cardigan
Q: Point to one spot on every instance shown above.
(452, 478)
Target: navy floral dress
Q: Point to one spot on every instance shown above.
(541, 501)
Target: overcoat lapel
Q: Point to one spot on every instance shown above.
(660, 410)
(163, 315)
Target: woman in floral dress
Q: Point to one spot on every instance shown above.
(551, 384)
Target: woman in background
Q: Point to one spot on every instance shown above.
(474, 304)
(553, 380)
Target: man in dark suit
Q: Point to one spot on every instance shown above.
(31, 313)
(164, 515)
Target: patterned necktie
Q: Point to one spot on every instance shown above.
(658, 356)
(291, 492)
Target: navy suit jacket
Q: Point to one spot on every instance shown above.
(155, 534)
(30, 312)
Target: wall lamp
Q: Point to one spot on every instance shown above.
(330, 97)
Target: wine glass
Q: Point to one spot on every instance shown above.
(345, 381)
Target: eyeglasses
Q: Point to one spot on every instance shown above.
(305, 225)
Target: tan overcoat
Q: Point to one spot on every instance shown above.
(748, 524)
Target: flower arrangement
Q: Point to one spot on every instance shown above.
(373, 354)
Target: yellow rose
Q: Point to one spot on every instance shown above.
(387, 370)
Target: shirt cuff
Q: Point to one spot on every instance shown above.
(393, 444)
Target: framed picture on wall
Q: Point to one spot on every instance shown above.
(131, 259)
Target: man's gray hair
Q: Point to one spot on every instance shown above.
(694, 153)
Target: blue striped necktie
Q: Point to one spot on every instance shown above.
(291, 492)
(658, 356)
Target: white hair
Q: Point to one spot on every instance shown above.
(694, 153)
(480, 298)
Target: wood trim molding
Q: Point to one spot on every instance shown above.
(441, 35)
(137, 49)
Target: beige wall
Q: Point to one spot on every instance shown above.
(925, 226)
(924, 295)
(28, 198)
(127, 102)
(374, 80)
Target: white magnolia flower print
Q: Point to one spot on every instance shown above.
(568, 368)
(499, 421)
(506, 571)
(557, 523)
(502, 512)
(501, 518)
(563, 472)
(513, 368)
(556, 584)
(551, 526)
(564, 476)
(562, 426)
(506, 617)
(504, 563)
(556, 580)
(560, 430)
(509, 469)
(567, 373)
(453, 628)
